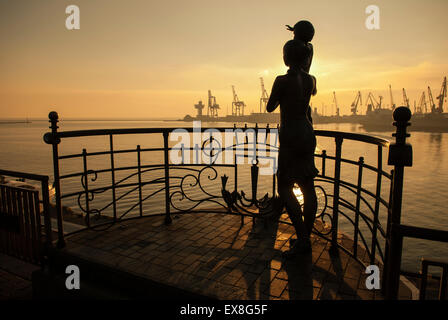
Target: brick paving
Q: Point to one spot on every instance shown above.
(15, 278)
(210, 254)
(13, 287)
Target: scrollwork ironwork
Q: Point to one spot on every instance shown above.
(182, 194)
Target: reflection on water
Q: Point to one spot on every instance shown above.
(424, 199)
(435, 140)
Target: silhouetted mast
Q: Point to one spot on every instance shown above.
(405, 98)
(264, 97)
(213, 107)
(374, 104)
(237, 105)
(431, 101)
(335, 104)
(441, 96)
(392, 104)
(371, 105)
(422, 104)
(354, 106)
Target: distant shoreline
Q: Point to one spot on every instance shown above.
(13, 122)
(90, 120)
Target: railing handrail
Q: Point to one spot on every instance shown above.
(24, 175)
(323, 133)
(422, 233)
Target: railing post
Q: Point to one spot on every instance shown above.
(443, 283)
(274, 162)
(324, 158)
(358, 203)
(423, 280)
(86, 186)
(388, 231)
(377, 204)
(254, 180)
(337, 178)
(53, 139)
(47, 215)
(112, 171)
(167, 177)
(139, 168)
(400, 155)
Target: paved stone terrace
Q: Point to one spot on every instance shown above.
(15, 278)
(210, 254)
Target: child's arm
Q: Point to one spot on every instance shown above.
(310, 57)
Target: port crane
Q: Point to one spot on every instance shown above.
(431, 101)
(264, 97)
(441, 96)
(354, 106)
(374, 104)
(392, 104)
(212, 110)
(405, 99)
(199, 106)
(422, 104)
(335, 104)
(237, 105)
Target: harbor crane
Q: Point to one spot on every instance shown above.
(405, 99)
(212, 110)
(442, 96)
(237, 105)
(354, 106)
(335, 104)
(431, 101)
(264, 97)
(374, 104)
(199, 106)
(392, 104)
(422, 104)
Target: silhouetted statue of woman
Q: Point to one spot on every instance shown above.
(292, 92)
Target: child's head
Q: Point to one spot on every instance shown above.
(303, 30)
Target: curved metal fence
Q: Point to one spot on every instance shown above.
(225, 170)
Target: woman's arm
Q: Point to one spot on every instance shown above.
(314, 91)
(274, 100)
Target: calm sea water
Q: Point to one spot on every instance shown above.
(22, 149)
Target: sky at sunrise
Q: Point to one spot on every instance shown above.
(156, 59)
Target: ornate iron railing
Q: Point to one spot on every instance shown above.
(344, 198)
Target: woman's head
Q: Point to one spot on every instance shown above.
(295, 53)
